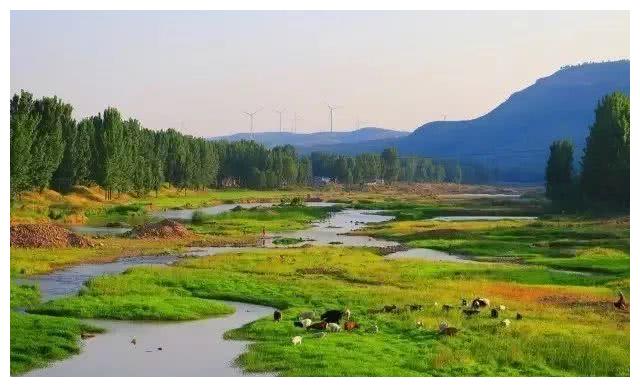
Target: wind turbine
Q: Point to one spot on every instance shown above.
(251, 119)
(280, 115)
(331, 109)
(295, 122)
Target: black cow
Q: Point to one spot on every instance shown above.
(332, 316)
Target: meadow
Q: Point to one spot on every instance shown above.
(560, 272)
(565, 318)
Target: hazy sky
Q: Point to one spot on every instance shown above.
(200, 70)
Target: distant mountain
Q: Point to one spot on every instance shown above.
(303, 140)
(515, 136)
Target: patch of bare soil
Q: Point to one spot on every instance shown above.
(166, 229)
(46, 235)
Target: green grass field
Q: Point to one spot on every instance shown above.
(570, 326)
(252, 221)
(560, 273)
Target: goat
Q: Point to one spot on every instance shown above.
(518, 316)
(333, 327)
(506, 322)
(351, 325)
(277, 316)
(389, 308)
(446, 307)
(480, 303)
(621, 303)
(306, 322)
(298, 324)
(296, 340)
(494, 313)
(318, 326)
(415, 307)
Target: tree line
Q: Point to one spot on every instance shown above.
(602, 179)
(50, 149)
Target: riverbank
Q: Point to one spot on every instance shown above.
(566, 314)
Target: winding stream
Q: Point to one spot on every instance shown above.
(194, 348)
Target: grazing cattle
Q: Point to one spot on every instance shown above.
(494, 313)
(373, 329)
(415, 307)
(518, 316)
(298, 324)
(480, 303)
(333, 327)
(318, 326)
(332, 316)
(306, 322)
(307, 315)
(320, 335)
(502, 307)
(351, 325)
(470, 312)
(389, 308)
(277, 316)
(621, 303)
(446, 307)
(506, 322)
(296, 340)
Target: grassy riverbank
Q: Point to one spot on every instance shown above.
(567, 316)
(560, 273)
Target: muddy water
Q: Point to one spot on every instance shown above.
(193, 348)
(334, 228)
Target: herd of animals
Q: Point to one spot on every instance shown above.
(331, 319)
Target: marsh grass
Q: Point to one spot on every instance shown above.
(252, 221)
(554, 338)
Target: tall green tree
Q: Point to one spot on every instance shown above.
(48, 145)
(391, 164)
(83, 152)
(606, 160)
(24, 120)
(559, 172)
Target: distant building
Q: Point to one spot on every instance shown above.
(375, 182)
(229, 182)
(321, 181)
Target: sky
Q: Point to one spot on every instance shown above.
(198, 71)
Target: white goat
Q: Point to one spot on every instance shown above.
(296, 340)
